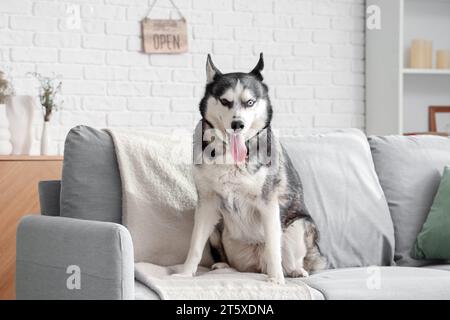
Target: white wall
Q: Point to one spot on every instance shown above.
(314, 52)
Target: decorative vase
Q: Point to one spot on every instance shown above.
(45, 139)
(5, 144)
(421, 54)
(19, 111)
(443, 59)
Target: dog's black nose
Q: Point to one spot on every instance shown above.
(237, 125)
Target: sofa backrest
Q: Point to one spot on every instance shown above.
(341, 190)
(409, 169)
(90, 184)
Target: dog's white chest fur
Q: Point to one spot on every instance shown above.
(238, 192)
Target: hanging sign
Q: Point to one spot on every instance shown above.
(164, 35)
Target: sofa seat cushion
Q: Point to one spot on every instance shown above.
(445, 267)
(382, 283)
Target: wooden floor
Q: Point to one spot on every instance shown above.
(19, 177)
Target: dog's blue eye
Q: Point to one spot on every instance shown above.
(250, 103)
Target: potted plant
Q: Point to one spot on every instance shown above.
(50, 98)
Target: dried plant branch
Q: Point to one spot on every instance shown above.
(6, 88)
(49, 94)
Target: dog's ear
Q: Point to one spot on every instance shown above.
(259, 67)
(211, 70)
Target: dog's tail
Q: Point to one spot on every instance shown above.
(313, 260)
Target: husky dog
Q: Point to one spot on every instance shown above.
(252, 210)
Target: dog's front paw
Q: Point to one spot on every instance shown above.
(220, 265)
(299, 273)
(276, 279)
(183, 271)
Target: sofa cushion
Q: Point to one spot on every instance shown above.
(385, 283)
(344, 197)
(90, 184)
(409, 169)
(433, 242)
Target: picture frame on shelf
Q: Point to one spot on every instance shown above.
(439, 119)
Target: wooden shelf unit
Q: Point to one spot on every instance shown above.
(397, 97)
(427, 71)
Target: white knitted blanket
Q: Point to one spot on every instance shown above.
(158, 201)
(222, 284)
(158, 194)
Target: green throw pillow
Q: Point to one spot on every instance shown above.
(433, 242)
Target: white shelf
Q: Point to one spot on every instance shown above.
(426, 71)
(398, 97)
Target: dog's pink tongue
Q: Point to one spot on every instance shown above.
(238, 148)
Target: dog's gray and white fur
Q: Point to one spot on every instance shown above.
(253, 213)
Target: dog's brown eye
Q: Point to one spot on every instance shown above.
(250, 103)
(225, 102)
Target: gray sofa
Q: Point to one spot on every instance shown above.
(80, 223)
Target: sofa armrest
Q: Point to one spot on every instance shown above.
(65, 258)
(49, 192)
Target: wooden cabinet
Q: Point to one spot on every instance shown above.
(19, 178)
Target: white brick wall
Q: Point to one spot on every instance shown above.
(314, 51)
